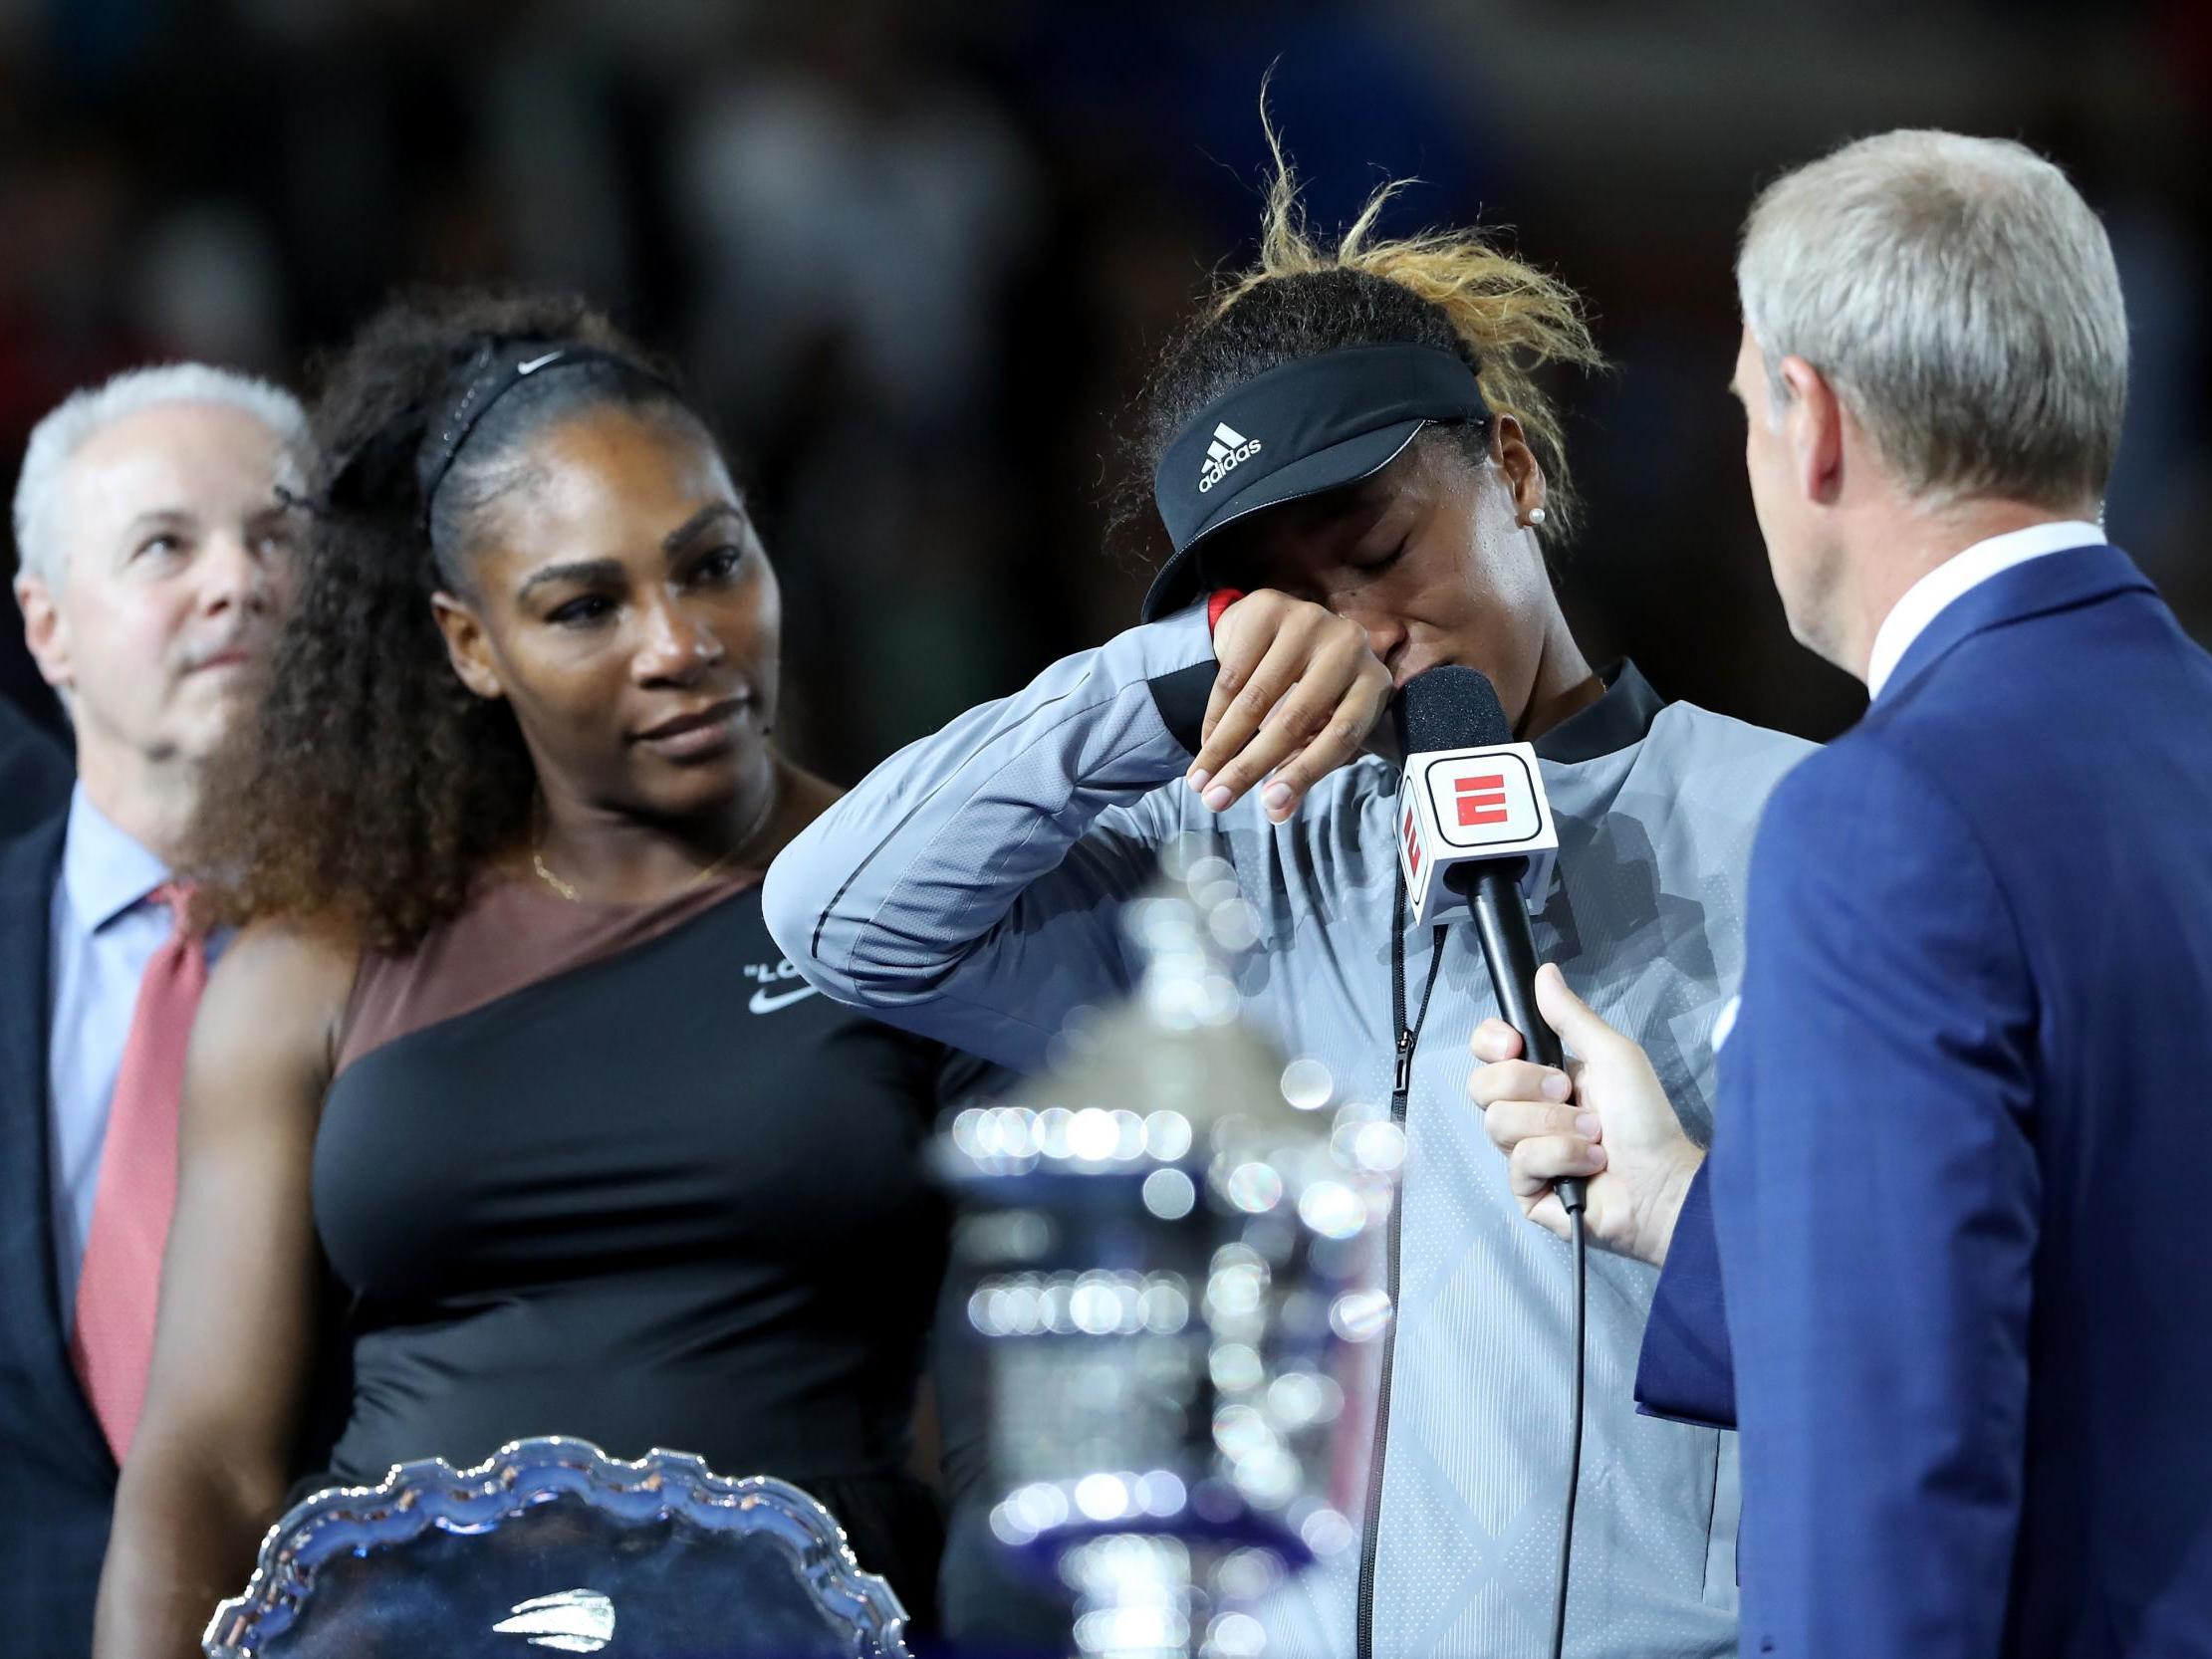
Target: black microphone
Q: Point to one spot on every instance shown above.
(1476, 826)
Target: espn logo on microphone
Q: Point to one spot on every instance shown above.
(1489, 798)
(1464, 805)
(1482, 800)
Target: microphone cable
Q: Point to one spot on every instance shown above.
(1574, 1442)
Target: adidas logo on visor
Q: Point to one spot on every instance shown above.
(1228, 448)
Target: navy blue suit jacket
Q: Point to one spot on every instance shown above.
(35, 773)
(1962, 1183)
(57, 1476)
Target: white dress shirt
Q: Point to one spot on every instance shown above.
(1958, 576)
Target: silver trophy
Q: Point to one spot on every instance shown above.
(552, 1546)
(1165, 1235)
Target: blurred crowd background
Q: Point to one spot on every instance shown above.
(918, 257)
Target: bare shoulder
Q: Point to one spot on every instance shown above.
(284, 969)
(276, 1000)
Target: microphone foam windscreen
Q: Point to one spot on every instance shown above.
(1449, 708)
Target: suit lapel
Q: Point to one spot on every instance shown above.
(32, 1344)
(2053, 582)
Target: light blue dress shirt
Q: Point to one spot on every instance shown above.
(103, 933)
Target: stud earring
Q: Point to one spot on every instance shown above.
(1536, 515)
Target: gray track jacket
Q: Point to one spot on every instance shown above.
(967, 890)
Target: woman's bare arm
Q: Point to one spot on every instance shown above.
(234, 1344)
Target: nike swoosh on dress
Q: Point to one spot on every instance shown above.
(763, 1003)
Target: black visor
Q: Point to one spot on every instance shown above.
(1313, 425)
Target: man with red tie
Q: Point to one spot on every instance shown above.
(155, 550)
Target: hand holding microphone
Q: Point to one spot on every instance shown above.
(1604, 1120)
(1476, 826)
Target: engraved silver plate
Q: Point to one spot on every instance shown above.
(552, 1547)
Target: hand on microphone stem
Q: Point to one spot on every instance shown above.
(1605, 1118)
(1297, 695)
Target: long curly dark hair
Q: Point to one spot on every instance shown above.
(372, 787)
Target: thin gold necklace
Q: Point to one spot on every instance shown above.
(567, 890)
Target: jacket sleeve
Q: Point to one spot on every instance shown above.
(969, 887)
(1685, 1370)
(1876, 1194)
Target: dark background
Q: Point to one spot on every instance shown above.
(918, 256)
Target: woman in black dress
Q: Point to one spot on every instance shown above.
(502, 1083)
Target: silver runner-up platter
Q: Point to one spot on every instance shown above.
(552, 1545)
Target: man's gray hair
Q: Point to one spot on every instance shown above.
(81, 415)
(1961, 299)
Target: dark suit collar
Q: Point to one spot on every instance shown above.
(33, 1350)
(2055, 581)
(29, 866)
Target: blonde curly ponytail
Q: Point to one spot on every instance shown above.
(1452, 289)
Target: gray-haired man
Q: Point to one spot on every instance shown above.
(1959, 1188)
(156, 552)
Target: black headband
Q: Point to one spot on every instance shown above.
(495, 371)
(1312, 425)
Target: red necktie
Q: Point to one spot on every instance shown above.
(113, 1344)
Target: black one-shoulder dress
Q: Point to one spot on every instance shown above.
(619, 1174)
